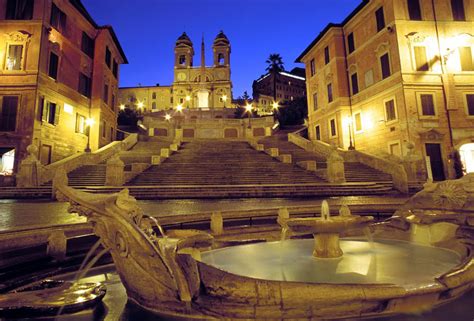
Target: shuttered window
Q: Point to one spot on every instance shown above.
(84, 85)
(427, 105)
(354, 83)
(457, 7)
(350, 42)
(465, 54)
(330, 97)
(87, 45)
(385, 65)
(390, 112)
(470, 104)
(380, 19)
(58, 19)
(414, 10)
(8, 113)
(19, 10)
(53, 65)
(50, 113)
(421, 60)
(317, 130)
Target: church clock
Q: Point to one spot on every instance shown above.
(181, 76)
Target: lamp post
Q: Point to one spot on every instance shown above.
(122, 107)
(224, 99)
(349, 123)
(249, 108)
(275, 109)
(89, 123)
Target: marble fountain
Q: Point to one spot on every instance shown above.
(420, 258)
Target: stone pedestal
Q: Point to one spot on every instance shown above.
(60, 179)
(57, 245)
(115, 172)
(335, 170)
(414, 164)
(217, 223)
(178, 136)
(326, 245)
(165, 152)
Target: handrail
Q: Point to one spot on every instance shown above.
(75, 161)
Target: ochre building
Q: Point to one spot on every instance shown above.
(193, 86)
(395, 74)
(58, 68)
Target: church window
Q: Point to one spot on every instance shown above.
(220, 59)
(182, 60)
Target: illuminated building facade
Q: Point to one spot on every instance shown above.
(58, 69)
(193, 86)
(395, 74)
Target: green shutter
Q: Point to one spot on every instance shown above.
(56, 114)
(44, 110)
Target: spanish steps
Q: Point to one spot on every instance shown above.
(225, 168)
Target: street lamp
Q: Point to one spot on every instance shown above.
(349, 123)
(168, 117)
(224, 99)
(179, 108)
(89, 123)
(140, 105)
(249, 108)
(122, 107)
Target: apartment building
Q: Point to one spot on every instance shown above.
(59, 75)
(396, 74)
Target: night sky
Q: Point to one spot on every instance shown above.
(148, 29)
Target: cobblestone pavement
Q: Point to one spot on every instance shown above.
(16, 214)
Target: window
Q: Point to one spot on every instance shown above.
(153, 95)
(350, 42)
(105, 94)
(369, 78)
(317, 131)
(8, 114)
(414, 10)
(87, 45)
(315, 101)
(14, 57)
(80, 124)
(84, 85)
(326, 55)
(465, 54)
(182, 60)
(390, 112)
(113, 102)
(58, 19)
(115, 69)
(421, 61)
(470, 104)
(153, 105)
(53, 65)
(104, 128)
(332, 127)
(394, 149)
(220, 59)
(380, 18)
(330, 98)
(427, 105)
(457, 7)
(19, 10)
(385, 65)
(357, 122)
(108, 57)
(354, 83)
(50, 113)
(312, 67)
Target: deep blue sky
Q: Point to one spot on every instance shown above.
(148, 29)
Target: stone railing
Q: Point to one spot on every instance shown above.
(396, 170)
(46, 173)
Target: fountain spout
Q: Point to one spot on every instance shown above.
(325, 214)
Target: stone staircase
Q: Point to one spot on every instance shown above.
(354, 171)
(95, 175)
(220, 162)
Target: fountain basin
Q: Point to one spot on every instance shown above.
(335, 224)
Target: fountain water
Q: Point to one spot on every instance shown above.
(326, 230)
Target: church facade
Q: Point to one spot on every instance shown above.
(193, 86)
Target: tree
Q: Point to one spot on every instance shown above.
(275, 65)
(294, 113)
(128, 118)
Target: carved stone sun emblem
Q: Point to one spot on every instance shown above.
(449, 194)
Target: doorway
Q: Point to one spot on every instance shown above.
(467, 157)
(433, 151)
(7, 161)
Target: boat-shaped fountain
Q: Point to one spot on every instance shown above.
(420, 258)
